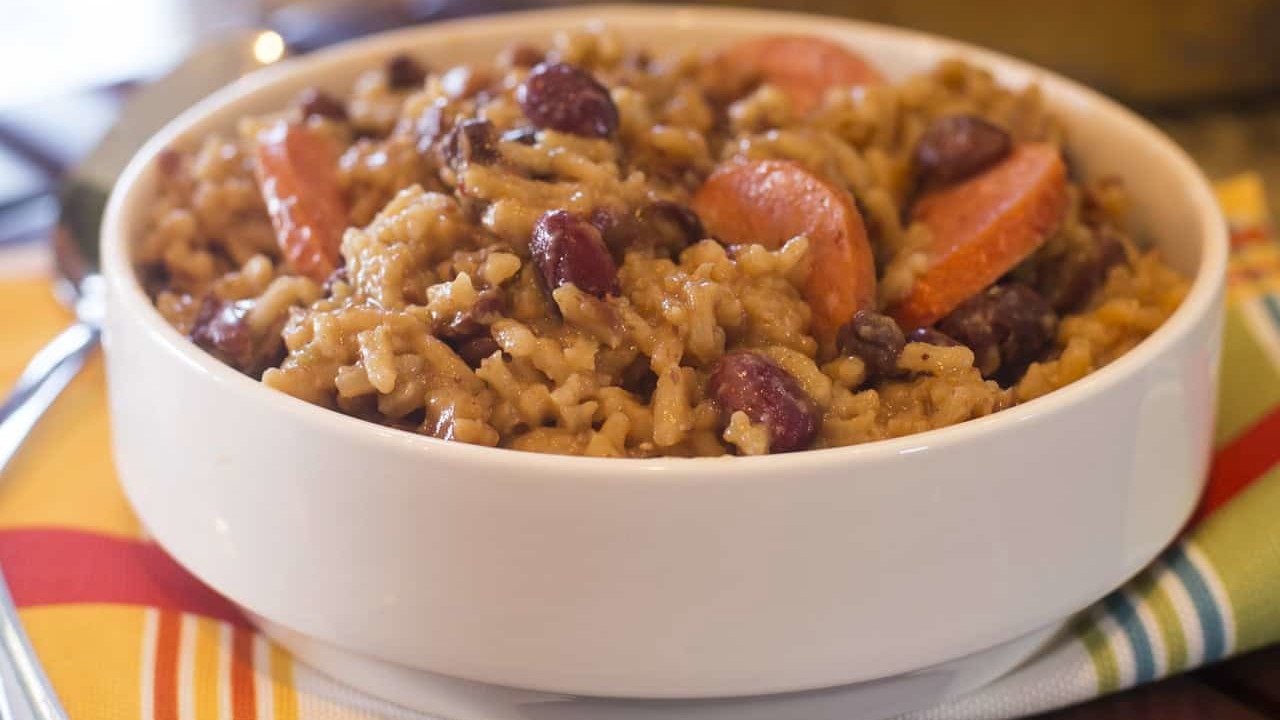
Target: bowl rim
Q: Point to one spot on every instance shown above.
(130, 298)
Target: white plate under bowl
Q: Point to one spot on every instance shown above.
(449, 698)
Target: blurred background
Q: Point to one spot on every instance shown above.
(1207, 71)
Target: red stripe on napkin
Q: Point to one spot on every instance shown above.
(165, 684)
(1244, 460)
(55, 566)
(244, 700)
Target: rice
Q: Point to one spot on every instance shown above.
(440, 322)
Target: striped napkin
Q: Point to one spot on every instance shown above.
(126, 634)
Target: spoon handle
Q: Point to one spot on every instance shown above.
(40, 384)
(21, 668)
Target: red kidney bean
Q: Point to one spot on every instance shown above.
(486, 310)
(562, 97)
(405, 73)
(662, 223)
(930, 336)
(639, 377)
(874, 338)
(1006, 326)
(314, 102)
(676, 224)
(527, 135)
(568, 249)
(470, 141)
(474, 349)
(751, 383)
(522, 55)
(1074, 279)
(220, 328)
(155, 277)
(170, 162)
(957, 146)
(619, 230)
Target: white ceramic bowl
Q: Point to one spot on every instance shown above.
(672, 578)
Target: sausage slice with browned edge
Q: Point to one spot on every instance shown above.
(983, 227)
(769, 202)
(297, 173)
(803, 66)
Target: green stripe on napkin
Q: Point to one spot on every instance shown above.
(1252, 387)
(1242, 543)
